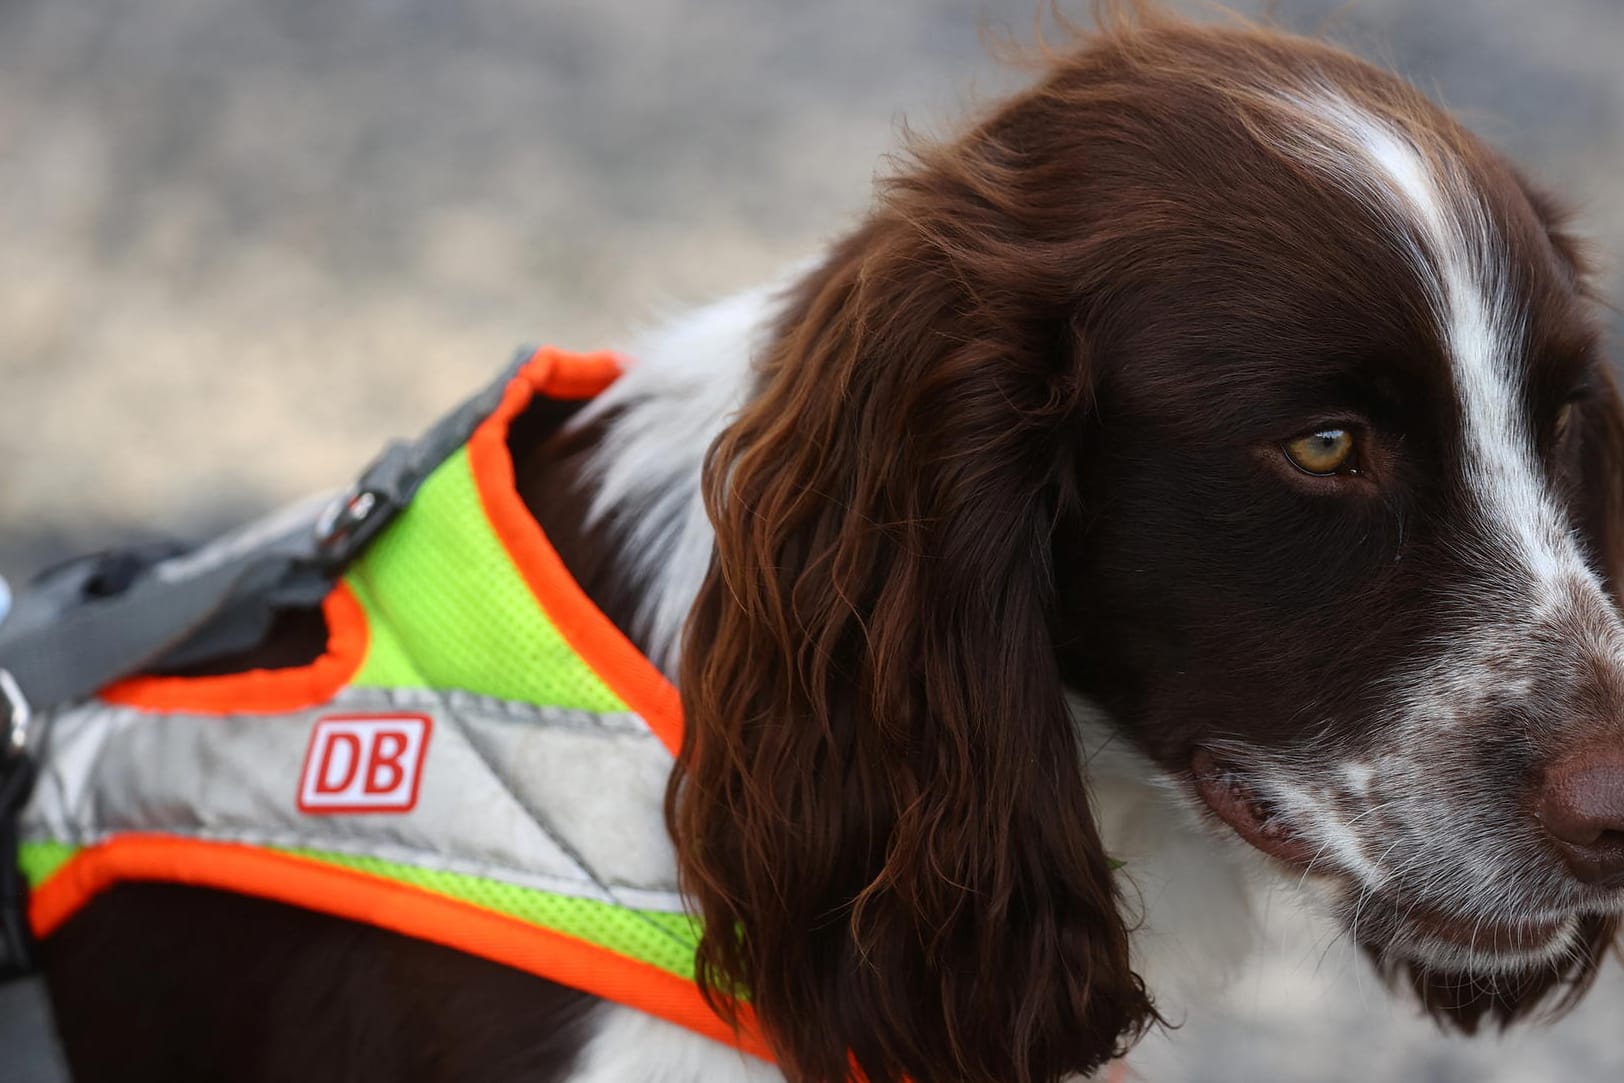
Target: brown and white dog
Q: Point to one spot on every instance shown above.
(1211, 444)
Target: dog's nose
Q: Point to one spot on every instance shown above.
(1581, 804)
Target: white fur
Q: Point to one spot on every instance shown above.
(685, 382)
(1190, 889)
(1440, 220)
(1426, 194)
(1466, 274)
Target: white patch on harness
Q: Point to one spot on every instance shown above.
(363, 763)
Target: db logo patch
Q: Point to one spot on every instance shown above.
(364, 763)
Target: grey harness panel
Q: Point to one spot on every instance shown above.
(559, 800)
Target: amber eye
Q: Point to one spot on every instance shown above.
(1328, 451)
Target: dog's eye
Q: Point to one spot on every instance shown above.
(1323, 452)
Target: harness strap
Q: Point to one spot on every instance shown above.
(65, 639)
(90, 622)
(63, 642)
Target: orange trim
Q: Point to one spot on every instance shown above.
(558, 374)
(561, 374)
(357, 896)
(262, 691)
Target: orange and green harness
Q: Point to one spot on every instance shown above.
(477, 758)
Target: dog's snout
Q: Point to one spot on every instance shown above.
(1581, 805)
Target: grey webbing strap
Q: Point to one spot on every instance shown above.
(64, 638)
(58, 644)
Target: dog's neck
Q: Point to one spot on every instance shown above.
(618, 490)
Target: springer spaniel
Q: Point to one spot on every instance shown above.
(1202, 467)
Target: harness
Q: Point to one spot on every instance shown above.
(477, 758)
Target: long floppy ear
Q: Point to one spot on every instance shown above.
(880, 807)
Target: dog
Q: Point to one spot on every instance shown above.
(1202, 470)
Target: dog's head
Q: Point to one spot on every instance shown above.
(1223, 380)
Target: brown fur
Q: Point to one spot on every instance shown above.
(1014, 439)
(880, 807)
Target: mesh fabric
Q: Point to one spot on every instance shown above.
(447, 609)
(661, 939)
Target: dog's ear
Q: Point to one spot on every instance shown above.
(880, 807)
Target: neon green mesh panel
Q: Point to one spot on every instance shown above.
(448, 609)
(387, 665)
(39, 860)
(660, 939)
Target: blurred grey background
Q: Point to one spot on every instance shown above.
(244, 243)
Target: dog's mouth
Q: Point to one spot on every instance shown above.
(1487, 936)
(1452, 942)
(1387, 926)
(1251, 816)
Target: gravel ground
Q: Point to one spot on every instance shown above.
(243, 243)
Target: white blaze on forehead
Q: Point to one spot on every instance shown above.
(1443, 226)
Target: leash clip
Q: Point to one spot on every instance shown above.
(357, 515)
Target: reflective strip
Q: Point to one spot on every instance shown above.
(555, 800)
